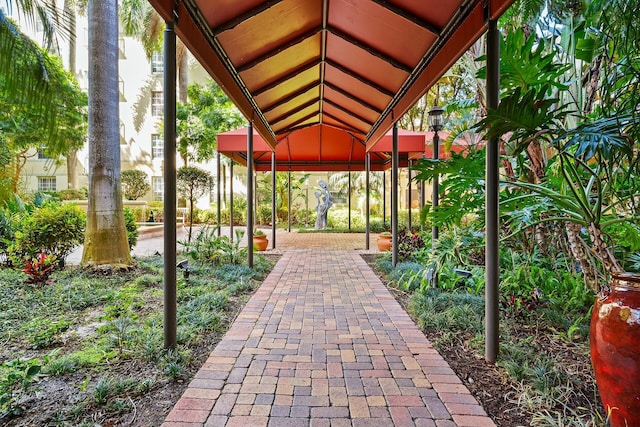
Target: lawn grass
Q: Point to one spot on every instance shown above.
(91, 343)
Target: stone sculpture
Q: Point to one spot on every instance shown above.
(325, 201)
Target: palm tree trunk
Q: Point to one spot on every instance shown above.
(609, 262)
(72, 156)
(105, 236)
(577, 250)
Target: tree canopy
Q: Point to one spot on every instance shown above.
(208, 112)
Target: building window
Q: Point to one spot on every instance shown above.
(157, 63)
(42, 155)
(157, 146)
(157, 103)
(46, 183)
(158, 188)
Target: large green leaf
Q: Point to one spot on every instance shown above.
(523, 116)
(603, 137)
(525, 64)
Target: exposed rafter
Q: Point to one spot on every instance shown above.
(286, 77)
(293, 111)
(359, 77)
(352, 97)
(302, 120)
(291, 96)
(232, 23)
(339, 120)
(347, 111)
(323, 53)
(367, 48)
(279, 49)
(409, 16)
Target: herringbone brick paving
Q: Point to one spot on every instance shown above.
(323, 343)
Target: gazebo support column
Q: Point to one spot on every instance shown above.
(218, 201)
(170, 290)
(273, 200)
(349, 192)
(250, 195)
(231, 201)
(409, 197)
(394, 196)
(492, 209)
(367, 167)
(289, 202)
(384, 197)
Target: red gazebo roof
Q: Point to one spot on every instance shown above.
(319, 148)
(304, 71)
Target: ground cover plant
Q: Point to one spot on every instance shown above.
(86, 348)
(543, 376)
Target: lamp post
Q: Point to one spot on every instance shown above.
(435, 120)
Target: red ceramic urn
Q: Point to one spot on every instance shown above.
(615, 349)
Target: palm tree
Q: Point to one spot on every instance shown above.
(22, 65)
(339, 182)
(105, 236)
(69, 11)
(141, 20)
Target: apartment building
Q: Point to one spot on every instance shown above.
(140, 88)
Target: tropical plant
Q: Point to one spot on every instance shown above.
(135, 184)
(208, 247)
(192, 183)
(40, 268)
(106, 238)
(27, 131)
(339, 183)
(208, 112)
(15, 378)
(22, 66)
(131, 226)
(52, 228)
(461, 189)
(579, 185)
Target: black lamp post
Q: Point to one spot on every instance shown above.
(435, 120)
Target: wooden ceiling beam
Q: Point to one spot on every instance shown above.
(370, 50)
(232, 23)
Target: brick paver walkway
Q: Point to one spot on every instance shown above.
(323, 343)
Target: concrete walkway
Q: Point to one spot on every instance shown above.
(323, 343)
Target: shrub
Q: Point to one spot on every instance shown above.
(207, 216)
(207, 247)
(339, 218)
(131, 226)
(408, 243)
(53, 228)
(73, 194)
(377, 226)
(135, 184)
(6, 232)
(264, 215)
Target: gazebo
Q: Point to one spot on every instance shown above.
(353, 66)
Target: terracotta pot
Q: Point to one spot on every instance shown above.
(384, 243)
(260, 242)
(615, 349)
